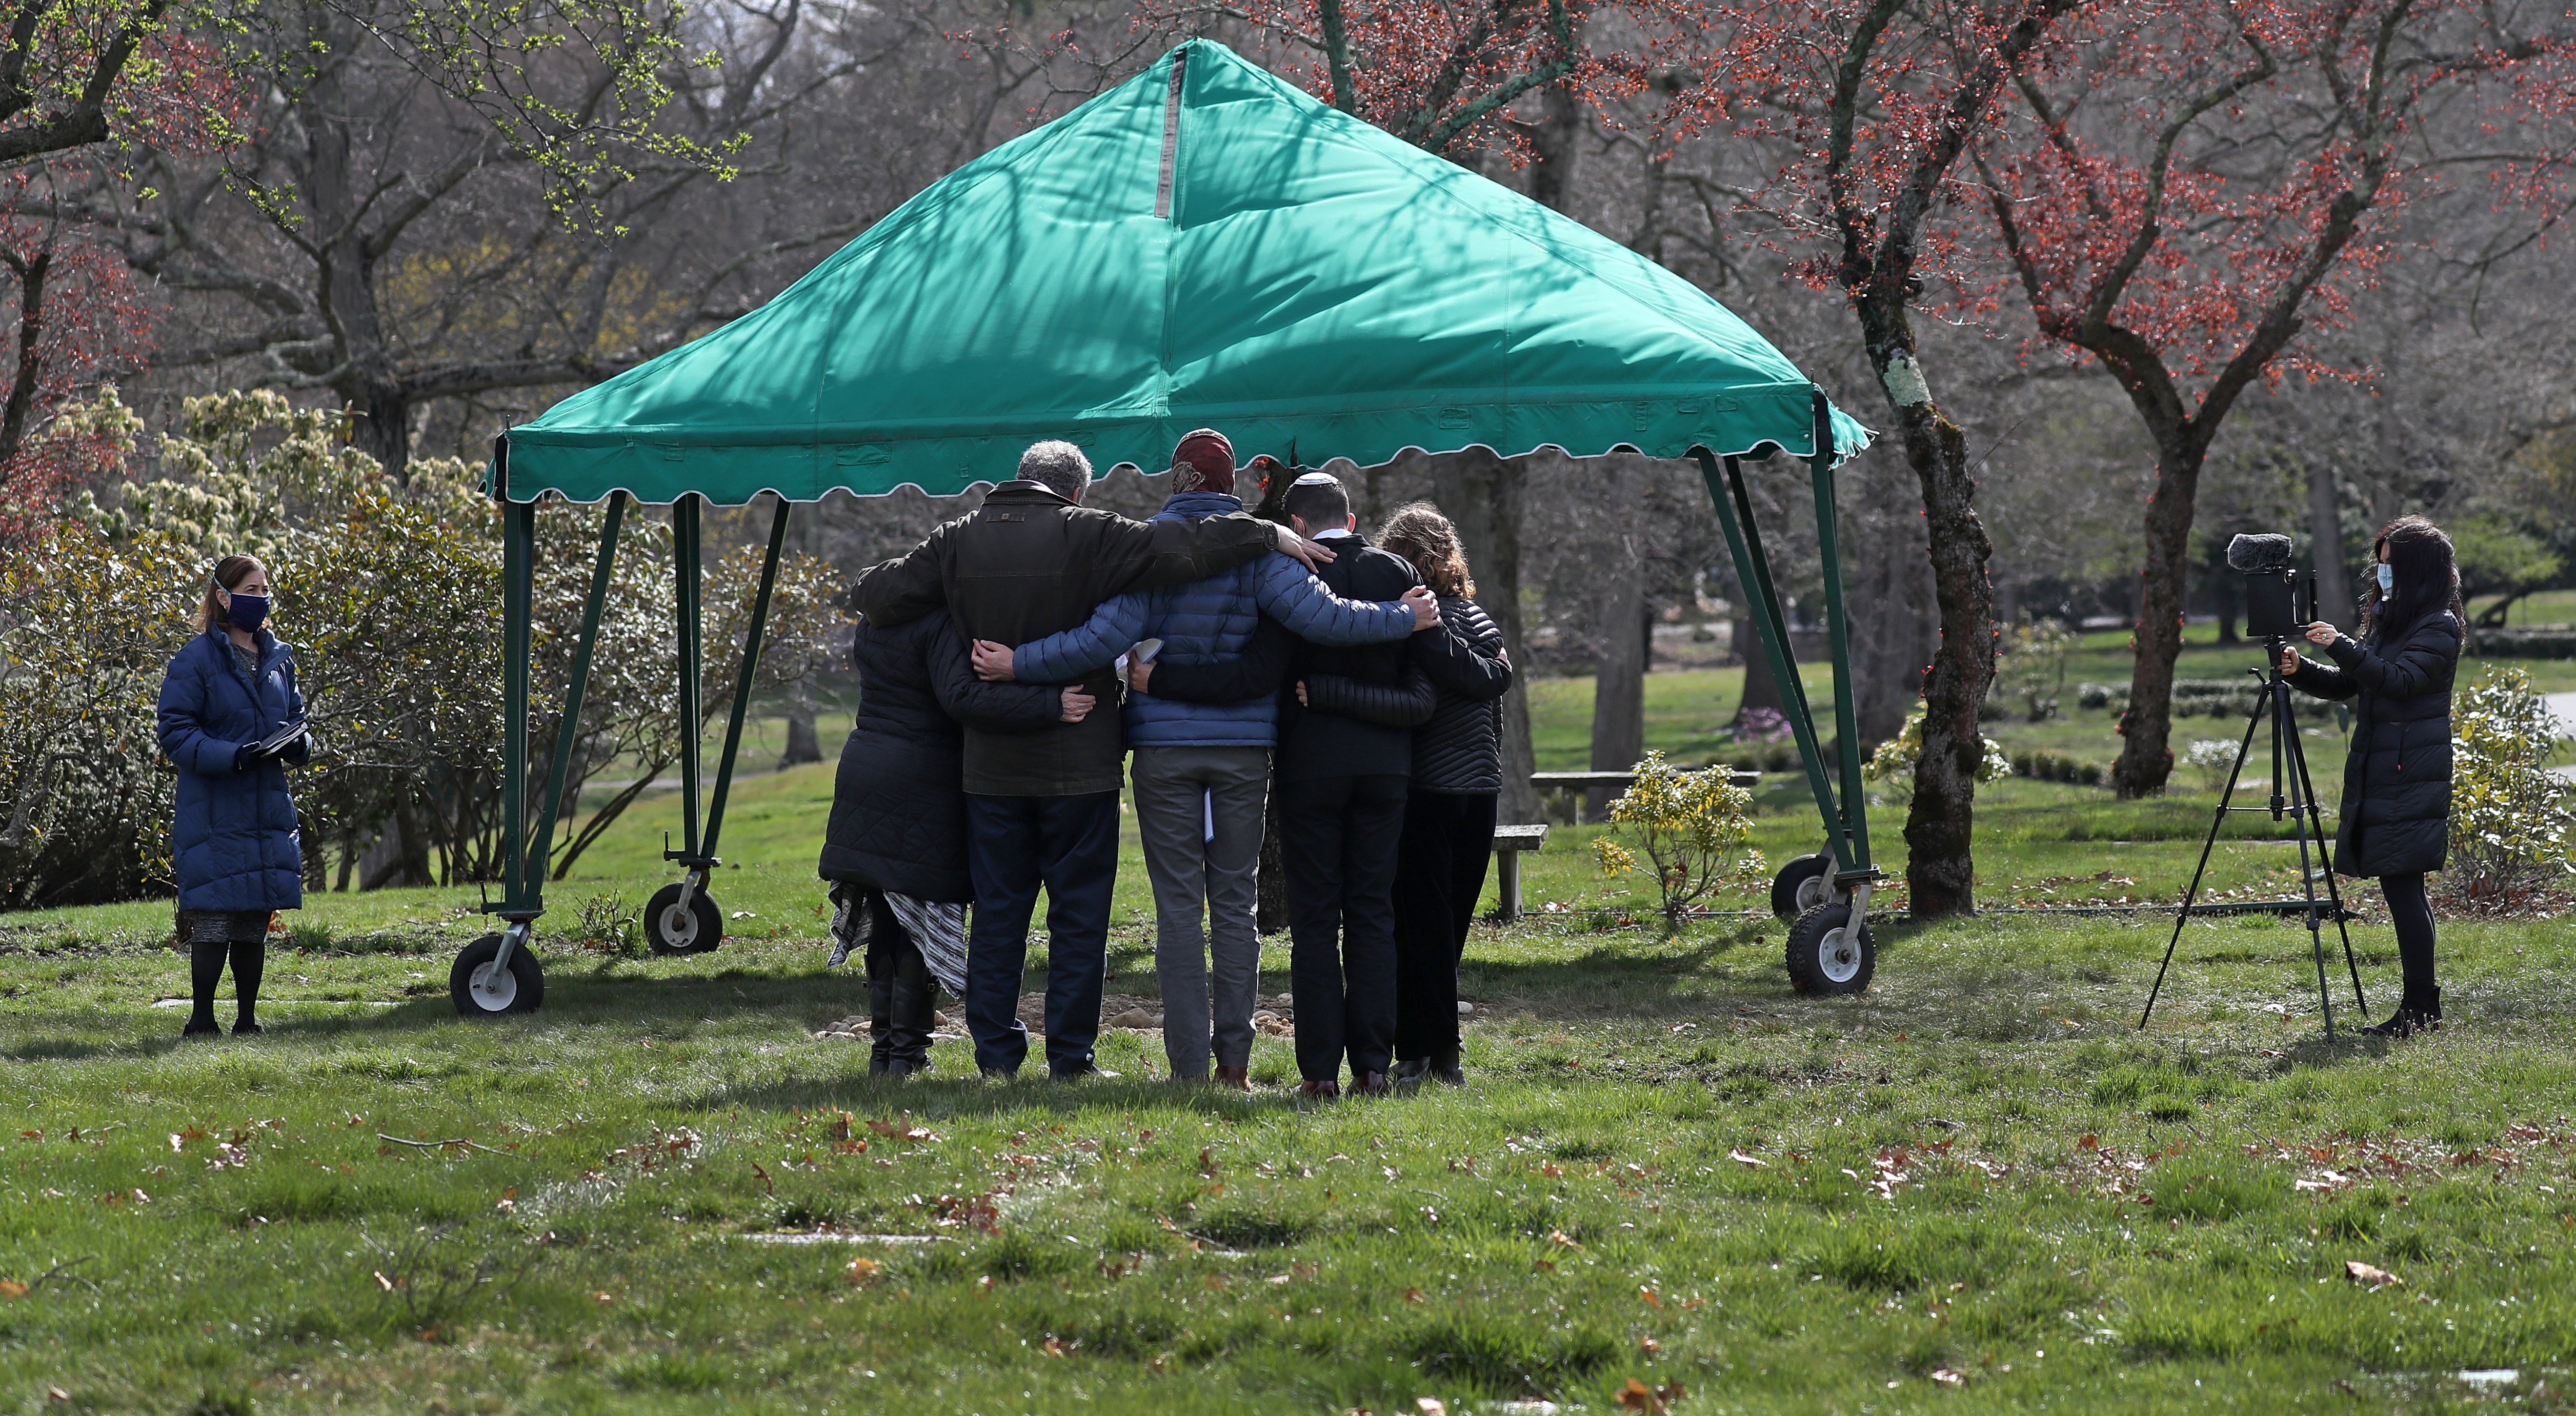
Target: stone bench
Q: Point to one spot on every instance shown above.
(1509, 842)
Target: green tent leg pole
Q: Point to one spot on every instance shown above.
(685, 567)
(518, 596)
(1854, 821)
(570, 727)
(1753, 572)
(742, 679)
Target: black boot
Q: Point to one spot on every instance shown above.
(915, 994)
(2420, 1011)
(250, 961)
(205, 970)
(880, 1013)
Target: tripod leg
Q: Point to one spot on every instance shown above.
(2182, 915)
(2277, 699)
(2334, 891)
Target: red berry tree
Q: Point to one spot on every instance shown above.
(2183, 189)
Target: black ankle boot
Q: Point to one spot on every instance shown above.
(911, 1011)
(2418, 1012)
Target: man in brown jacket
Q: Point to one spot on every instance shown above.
(1042, 807)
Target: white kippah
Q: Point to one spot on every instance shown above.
(1317, 479)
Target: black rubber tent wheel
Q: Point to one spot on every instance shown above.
(519, 987)
(669, 931)
(1802, 885)
(1829, 954)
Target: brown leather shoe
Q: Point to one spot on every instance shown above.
(1239, 1078)
(1326, 1090)
(1370, 1084)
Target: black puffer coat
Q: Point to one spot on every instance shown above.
(1461, 748)
(899, 804)
(2397, 779)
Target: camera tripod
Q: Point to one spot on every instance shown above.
(2295, 795)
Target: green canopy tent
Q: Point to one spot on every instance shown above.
(1204, 245)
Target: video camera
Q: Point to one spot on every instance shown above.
(2271, 586)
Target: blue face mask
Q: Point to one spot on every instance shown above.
(247, 612)
(2387, 578)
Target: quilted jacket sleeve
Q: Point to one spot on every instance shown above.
(1406, 703)
(183, 711)
(1255, 673)
(2322, 680)
(2412, 668)
(1463, 654)
(1096, 643)
(993, 707)
(1293, 595)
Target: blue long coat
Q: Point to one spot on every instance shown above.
(234, 837)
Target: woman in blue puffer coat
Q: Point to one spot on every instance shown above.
(233, 839)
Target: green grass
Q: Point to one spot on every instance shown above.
(1977, 1164)
(1669, 1168)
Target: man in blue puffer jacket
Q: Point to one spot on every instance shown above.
(1202, 768)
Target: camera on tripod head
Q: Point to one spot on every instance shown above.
(2272, 586)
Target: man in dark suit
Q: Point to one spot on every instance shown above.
(1342, 779)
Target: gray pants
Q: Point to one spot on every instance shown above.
(1175, 790)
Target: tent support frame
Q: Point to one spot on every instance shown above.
(1843, 811)
(527, 854)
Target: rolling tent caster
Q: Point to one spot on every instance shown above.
(487, 981)
(1831, 952)
(672, 926)
(1804, 883)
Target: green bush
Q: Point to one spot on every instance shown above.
(2045, 765)
(2509, 828)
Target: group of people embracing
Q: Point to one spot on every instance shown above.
(1011, 660)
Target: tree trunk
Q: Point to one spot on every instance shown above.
(1761, 686)
(31, 352)
(2227, 589)
(1481, 495)
(2335, 600)
(1940, 823)
(2146, 750)
(803, 743)
(1619, 683)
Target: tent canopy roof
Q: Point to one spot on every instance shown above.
(1204, 245)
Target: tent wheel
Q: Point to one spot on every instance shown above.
(672, 930)
(1804, 883)
(1830, 952)
(481, 991)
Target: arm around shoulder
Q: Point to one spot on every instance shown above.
(993, 707)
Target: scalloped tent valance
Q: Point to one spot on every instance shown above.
(1202, 246)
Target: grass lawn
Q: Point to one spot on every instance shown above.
(1978, 1187)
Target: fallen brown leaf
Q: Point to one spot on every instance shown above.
(2371, 1274)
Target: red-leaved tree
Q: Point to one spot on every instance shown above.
(2184, 188)
(1882, 102)
(82, 85)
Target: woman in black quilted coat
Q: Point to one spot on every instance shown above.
(896, 845)
(2396, 817)
(1449, 812)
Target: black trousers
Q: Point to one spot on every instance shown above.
(1337, 839)
(1439, 875)
(2412, 913)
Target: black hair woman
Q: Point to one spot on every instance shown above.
(2396, 819)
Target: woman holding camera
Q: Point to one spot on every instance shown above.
(2397, 779)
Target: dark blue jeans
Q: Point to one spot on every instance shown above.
(1013, 845)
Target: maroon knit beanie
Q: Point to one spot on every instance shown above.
(1209, 452)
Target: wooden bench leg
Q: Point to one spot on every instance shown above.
(1509, 907)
